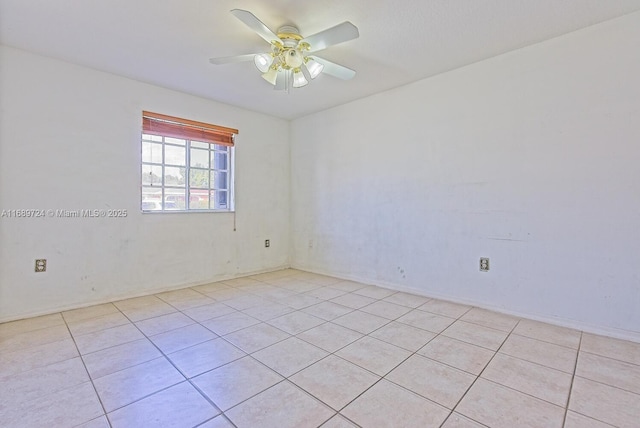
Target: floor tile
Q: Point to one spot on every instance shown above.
(289, 356)
(490, 319)
(183, 337)
(142, 308)
(386, 310)
(300, 301)
(545, 353)
(265, 410)
(179, 405)
(327, 310)
(69, 407)
(361, 322)
(217, 422)
(500, 407)
(116, 358)
(613, 348)
(318, 279)
(102, 322)
(426, 321)
(15, 339)
(89, 312)
(13, 328)
(103, 339)
(605, 403)
(609, 371)
(185, 298)
(207, 312)
(440, 383)
(256, 337)
(406, 299)
(456, 420)
(296, 322)
(269, 311)
(334, 381)
(101, 422)
(126, 386)
(374, 355)
(354, 301)
(348, 286)
(476, 334)
(330, 337)
(374, 292)
(403, 335)
(338, 421)
(325, 293)
(206, 356)
(245, 302)
(386, 405)
(23, 360)
(539, 381)
(576, 420)
(40, 382)
(164, 323)
(237, 381)
(444, 308)
(548, 333)
(464, 356)
(229, 323)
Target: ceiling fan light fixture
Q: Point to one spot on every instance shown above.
(293, 58)
(298, 79)
(263, 62)
(271, 75)
(314, 67)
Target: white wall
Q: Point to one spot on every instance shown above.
(70, 139)
(531, 158)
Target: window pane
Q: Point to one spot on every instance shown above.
(219, 200)
(175, 199)
(218, 180)
(219, 160)
(151, 137)
(151, 199)
(199, 200)
(199, 178)
(200, 158)
(174, 141)
(173, 176)
(152, 175)
(219, 147)
(151, 152)
(200, 145)
(174, 155)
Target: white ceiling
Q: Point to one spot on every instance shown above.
(169, 42)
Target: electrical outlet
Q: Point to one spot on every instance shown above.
(41, 265)
(484, 264)
(267, 243)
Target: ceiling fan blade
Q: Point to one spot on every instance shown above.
(335, 70)
(231, 59)
(332, 36)
(255, 24)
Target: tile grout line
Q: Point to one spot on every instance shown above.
(95, 390)
(480, 374)
(573, 376)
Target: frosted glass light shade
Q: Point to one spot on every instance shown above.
(314, 67)
(298, 79)
(263, 62)
(271, 75)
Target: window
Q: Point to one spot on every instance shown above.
(186, 165)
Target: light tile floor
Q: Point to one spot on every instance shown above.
(295, 349)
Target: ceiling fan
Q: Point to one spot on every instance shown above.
(288, 63)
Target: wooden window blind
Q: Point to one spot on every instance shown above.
(175, 127)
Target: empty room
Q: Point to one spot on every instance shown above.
(249, 214)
